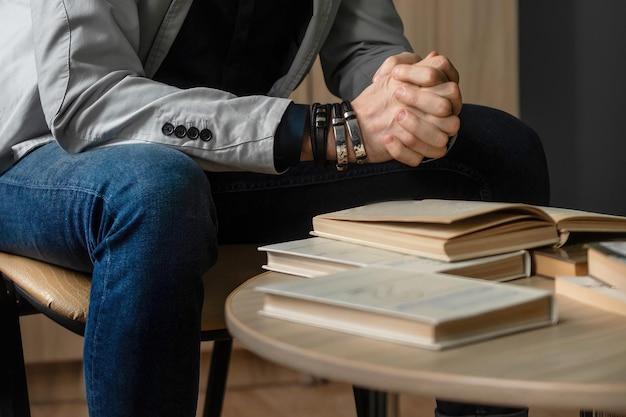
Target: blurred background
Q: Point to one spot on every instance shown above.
(559, 66)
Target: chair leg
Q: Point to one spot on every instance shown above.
(218, 374)
(13, 389)
(370, 403)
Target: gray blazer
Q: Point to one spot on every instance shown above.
(79, 72)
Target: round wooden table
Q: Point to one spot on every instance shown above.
(580, 363)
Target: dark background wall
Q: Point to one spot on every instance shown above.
(573, 93)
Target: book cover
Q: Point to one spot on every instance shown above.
(430, 310)
(315, 256)
(593, 292)
(607, 262)
(452, 230)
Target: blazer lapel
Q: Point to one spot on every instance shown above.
(324, 12)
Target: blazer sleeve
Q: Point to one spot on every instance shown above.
(94, 92)
(363, 35)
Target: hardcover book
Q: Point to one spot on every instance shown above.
(317, 256)
(453, 230)
(429, 310)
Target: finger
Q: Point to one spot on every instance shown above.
(388, 65)
(421, 136)
(441, 100)
(401, 153)
(424, 76)
(443, 64)
(449, 91)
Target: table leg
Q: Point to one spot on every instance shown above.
(370, 403)
(596, 413)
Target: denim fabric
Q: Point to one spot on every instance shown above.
(142, 219)
(495, 157)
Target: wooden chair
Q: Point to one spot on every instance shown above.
(29, 286)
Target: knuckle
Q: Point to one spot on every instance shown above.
(455, 125)
(440, 142)
(431, 75)
(392, 60)
(453, 89)
(443, 107)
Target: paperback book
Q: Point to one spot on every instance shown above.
(607, 262)
(568, 260)
(593, 292)
(428, 310)
(317, 256)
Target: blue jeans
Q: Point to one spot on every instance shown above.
(143, 220)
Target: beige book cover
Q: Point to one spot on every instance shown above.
(592, 291)
(315, 256)
(430, 310)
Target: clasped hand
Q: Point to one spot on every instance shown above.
(411, 109)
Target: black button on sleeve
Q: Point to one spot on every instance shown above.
(206, 135)
(180, 131)
(167, 129)
(193, 133)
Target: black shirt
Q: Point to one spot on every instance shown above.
(243, 47)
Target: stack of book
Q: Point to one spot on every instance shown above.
(605, 284)
(407, 271)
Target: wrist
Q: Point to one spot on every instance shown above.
(333, 135)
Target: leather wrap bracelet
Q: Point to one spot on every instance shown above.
(354, 132)
(345, 128)
(340, 138)
(320, 114)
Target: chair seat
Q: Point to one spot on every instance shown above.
(63, 294)
(63, 291)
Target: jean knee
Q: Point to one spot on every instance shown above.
(164, 195)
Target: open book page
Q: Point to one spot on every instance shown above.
(570, 220)
(431, 211)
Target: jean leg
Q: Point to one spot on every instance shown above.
(141, 219)
(505, 152)
(496, 157)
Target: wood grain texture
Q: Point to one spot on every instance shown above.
(577, 363)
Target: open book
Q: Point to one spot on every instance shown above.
(453, 230)
(315, 256)
(428, 310)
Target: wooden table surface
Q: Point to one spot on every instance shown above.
(579, 363)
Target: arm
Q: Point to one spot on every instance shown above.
(407, 107)
(94, 91)
(365, 33)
